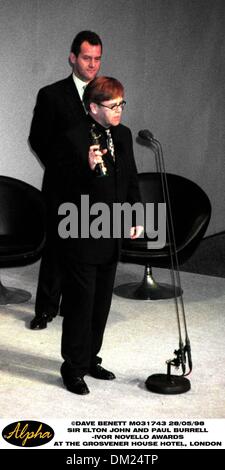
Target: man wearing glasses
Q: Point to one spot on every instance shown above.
(89, 262)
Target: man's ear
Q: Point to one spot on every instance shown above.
(72, 58)
(93, 108)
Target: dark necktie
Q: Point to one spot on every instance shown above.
(83, 90)
(110, 144)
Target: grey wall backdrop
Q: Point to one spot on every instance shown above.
(170, 55)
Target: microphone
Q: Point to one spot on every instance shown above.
(145, 134)
(167, 383)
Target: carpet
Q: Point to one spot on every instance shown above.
(140, 336)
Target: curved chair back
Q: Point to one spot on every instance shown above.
(191, 212)
(22, 222)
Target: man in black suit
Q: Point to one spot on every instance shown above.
(59, 107)
(89, 258)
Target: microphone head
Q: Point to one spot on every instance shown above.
(145, 134)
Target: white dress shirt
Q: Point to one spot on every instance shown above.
(80, 85)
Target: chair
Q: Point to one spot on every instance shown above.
(22, 231)
(191, 212)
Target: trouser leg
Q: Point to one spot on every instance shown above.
(49, 282)
(86, 300)
(76, 307)
(103, 296)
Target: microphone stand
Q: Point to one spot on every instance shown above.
(167, 383)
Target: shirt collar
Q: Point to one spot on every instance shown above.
(80, 84)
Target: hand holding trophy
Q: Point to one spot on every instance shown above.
(99, 168)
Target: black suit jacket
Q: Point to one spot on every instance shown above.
(73, 178)
(58, 108)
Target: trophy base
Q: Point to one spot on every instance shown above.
(100, 171)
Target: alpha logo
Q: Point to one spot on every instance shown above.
(28, 433)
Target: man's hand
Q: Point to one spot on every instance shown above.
(135, 232)
(95, 155)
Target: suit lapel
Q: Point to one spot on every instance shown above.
(118, 148)
(73, 100)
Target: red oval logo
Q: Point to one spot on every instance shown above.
(28, 433)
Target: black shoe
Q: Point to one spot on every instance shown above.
(98, 372)
(74, 384)
(39, 323)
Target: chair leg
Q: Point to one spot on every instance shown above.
(148, 289)
(11, 295)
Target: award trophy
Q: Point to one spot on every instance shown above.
(100, 168)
